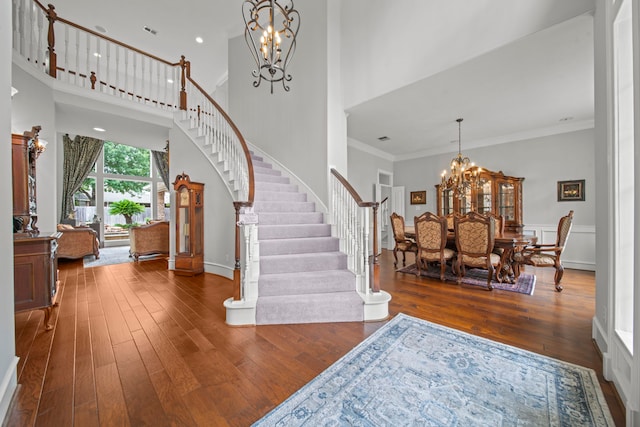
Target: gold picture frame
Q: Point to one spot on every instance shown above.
(571, 191)
(418, 197)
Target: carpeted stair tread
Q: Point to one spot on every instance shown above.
(308, 282)
(260, 177)
(289, 231)
(310, 308)
(279, 196)
(261, 164)
(270, 218)
(291, 263)
(274, 206)
(299, 245)
(275, 186)
(264, 171)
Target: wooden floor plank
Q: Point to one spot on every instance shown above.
(153, 348)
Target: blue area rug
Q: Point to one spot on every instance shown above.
(415, 373)
(477, 277)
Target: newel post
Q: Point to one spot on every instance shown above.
(51, 41)
(184, 73)
(375, 277)
(237, 266)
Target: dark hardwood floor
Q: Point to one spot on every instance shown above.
(134, 344)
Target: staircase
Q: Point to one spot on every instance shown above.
(303, 275)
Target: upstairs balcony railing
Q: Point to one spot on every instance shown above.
(84, 58)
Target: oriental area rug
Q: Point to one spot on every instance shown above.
(412, 372)
(477, 277)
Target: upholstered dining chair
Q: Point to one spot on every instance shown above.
(547, 255)
(431, 240)
(403, 244)
(475, 236)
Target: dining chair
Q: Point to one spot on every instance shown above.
(475, 237)
(431, 240)
(547, 255)
(403, 244)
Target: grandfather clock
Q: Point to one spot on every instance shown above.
(189, 257)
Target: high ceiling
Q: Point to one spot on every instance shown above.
(536, 85)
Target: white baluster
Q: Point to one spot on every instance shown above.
(66, 54)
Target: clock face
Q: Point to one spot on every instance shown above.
(184, 197)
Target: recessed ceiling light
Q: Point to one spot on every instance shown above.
(150, 30)
(97, 55)
(169, 80)
(99, 130)
(100, 28)
(384, 138)
(199, 40)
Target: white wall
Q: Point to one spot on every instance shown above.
(219, 214)
(289, 126)
(363, 171)
(8, 359)
(381, 52)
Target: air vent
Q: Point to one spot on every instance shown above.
(384, 138)
(150, 30)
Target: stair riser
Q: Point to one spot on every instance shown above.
(294, 264)
(279, 196)
(284, 207)
(274, 186)
(261, 164)
(293, 231)
(298, 246)
(265, 171)
(271, 178)
(297, 284)
(266, 218)
(340, 307)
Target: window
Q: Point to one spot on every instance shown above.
(122, 172)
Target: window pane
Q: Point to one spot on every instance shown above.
(117, 191)
(85, 202)
(126, 160)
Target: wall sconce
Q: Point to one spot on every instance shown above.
(36, 145)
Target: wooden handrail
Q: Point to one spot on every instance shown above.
(352, 191)
(52, 16)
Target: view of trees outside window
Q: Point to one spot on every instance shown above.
(125, 184)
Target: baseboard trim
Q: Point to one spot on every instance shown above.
(8, 387)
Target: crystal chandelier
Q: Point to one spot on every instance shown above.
(461, 177)
(270, 32)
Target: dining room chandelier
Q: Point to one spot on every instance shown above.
(270, 32)
(460, 177)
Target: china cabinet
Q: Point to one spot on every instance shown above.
(23, 161)
(489, 192)
(189, 217)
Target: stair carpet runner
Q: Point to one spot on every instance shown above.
(303, 275)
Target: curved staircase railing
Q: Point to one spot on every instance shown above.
(352, 220)
(88, 59)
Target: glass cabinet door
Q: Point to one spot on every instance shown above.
(183, 221)
(447, 202)
(483, 196)
(506, 200)
(465, 202)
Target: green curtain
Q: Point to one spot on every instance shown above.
(161, 159)
(80, 154)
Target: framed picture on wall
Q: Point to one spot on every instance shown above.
(571, 191)
(418, 197)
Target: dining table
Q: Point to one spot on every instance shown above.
(508, 241)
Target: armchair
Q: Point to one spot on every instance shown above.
(547, 255)
(77, 242)
(431, 238)
(149, 239)
(403, 244)
(475, 237)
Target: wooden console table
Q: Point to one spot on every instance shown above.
(35, 270)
